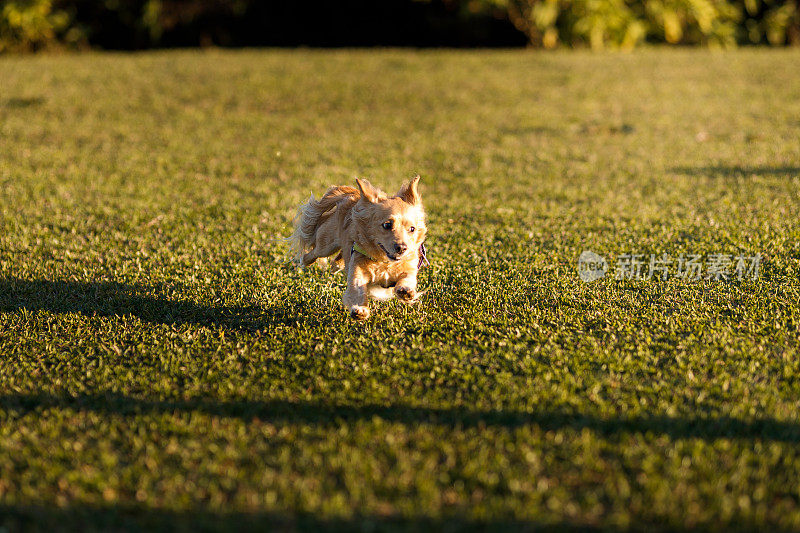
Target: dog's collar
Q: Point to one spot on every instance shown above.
(357, 248)
(423, 254)
(423, 257)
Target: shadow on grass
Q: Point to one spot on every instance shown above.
(322, 413)
(86, 518)
(127, 518)
(735, 171)
(119, 299)
(21, 102)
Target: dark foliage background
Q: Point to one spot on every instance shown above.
(136, 24)
(31, 25)
(342, 23)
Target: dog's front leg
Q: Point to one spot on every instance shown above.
(355, 296)
(406, 288)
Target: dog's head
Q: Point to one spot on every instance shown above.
(394, 227)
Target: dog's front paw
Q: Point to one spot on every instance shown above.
(359, 312)
(406, 294)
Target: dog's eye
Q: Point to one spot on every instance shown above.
(387, 224)
(411, 229)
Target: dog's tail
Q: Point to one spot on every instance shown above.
(311, 214)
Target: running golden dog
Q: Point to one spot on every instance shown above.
(379, 240)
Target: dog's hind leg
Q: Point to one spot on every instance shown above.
(321, 250)
(311, 217)
(337, 265)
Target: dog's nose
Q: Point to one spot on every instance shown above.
(400, 248)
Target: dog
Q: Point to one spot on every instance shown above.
(379, 240)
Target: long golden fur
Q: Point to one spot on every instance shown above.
(377, 239)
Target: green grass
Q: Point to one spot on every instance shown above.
(162, 366)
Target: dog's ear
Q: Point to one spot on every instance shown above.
(408, 192)
(368, 192)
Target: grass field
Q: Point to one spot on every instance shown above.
(163, 366)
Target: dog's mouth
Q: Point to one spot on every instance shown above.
(393, 257)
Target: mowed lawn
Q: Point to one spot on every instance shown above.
(162, 365)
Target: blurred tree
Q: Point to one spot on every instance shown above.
(136, 24)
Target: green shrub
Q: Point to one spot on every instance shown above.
(709, 22)
(594, 22)
(30, 25)
(769, 22)
(626, 23)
